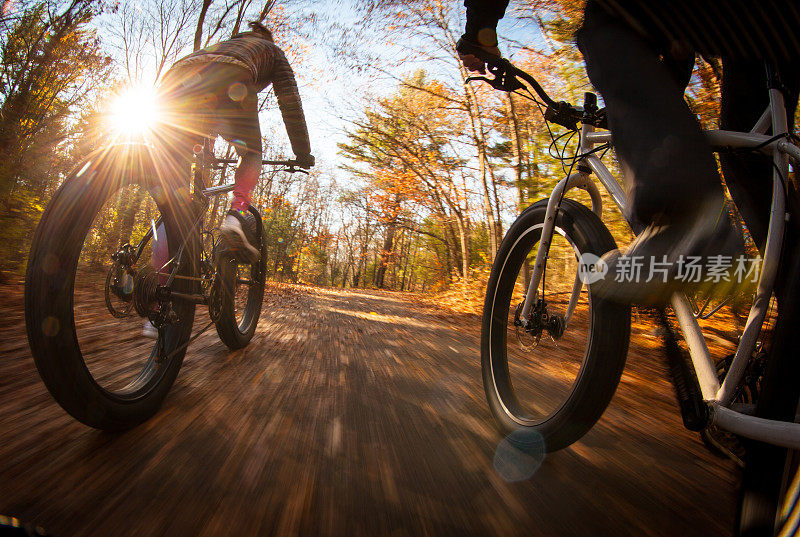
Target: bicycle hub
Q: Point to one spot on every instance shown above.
(145, 291)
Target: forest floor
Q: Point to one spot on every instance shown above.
(351, 413)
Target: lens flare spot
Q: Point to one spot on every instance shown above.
(127, 283)
(135, 111)
(158, 195)
(85, 167)
(191, 80)
(280, 240)
(519, 455)
(240, 145)
(206, 101)
(237, 91)
(50, 326)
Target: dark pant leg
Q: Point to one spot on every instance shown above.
(187, 105)
(240, 126)
(668, 164)
(749, 175)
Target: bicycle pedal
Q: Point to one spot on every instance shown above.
(723, 444)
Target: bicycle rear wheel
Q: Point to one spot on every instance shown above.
(239, 293)
(556, 385)
(88, 342)
(769, 499)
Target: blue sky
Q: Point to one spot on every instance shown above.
(331, 90)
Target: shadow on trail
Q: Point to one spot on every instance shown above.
(340, 421)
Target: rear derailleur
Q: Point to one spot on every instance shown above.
(141, 290)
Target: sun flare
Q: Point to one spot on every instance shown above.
(134, 111)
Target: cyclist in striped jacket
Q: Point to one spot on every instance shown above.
(215, 91)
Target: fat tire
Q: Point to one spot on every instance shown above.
(236, 335)
(607, 349)
(49, 287)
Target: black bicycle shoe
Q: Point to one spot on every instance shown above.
(239, 236)
(696, 255)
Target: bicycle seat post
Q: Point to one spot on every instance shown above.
(200, 169)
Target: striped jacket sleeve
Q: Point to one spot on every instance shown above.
(285, 86)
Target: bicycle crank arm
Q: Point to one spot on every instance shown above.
(694, 411)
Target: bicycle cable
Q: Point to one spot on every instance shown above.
(560, 156)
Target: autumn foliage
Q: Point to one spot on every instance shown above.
(430, 170)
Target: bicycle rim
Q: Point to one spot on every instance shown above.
(542, 371)
(120, 358)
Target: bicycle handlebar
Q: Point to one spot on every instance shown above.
(506, 79)
(291, 165)
(263, 162)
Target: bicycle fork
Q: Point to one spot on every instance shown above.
(579, 179)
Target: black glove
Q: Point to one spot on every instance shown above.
(474, 56)
(304, 161)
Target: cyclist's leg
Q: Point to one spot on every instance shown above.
(657, 139)
(241, 128)
(748, 175)
(238, 124)
(187, 111)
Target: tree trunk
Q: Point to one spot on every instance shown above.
(516, 144)
(498, 226)
(479, 139)
(487, 206)
(462, 233)
(386, 255)
(413, 260)
(198, 33)
(374, 267)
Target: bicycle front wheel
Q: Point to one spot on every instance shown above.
(241, 290)
(85, 334)
(558, 379)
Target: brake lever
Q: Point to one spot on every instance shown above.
(294, 169)
(502, 80)
(480, 78)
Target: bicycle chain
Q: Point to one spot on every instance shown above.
(182, 346)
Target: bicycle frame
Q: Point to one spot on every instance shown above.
(201, 195)
(718, 396)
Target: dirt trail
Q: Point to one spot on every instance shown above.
(350, 414)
